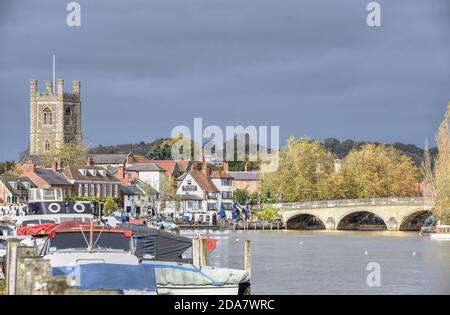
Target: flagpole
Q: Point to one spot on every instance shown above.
(53, 87)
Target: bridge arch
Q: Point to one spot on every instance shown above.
(415, 219)
(305, 221)
(362, 219)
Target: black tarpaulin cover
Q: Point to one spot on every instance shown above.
(161, 244)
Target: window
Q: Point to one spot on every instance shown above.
(227, 182)
(189, 182)
(227, 195)
(86, 189)
(47, 145)
(195, 205)
(190, 204)
(212, 206)
(228, 206)
(47, 116)
(68, 111)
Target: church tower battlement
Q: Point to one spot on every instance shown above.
(55, 117)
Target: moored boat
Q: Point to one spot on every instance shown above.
(441, 232)
(109, 255)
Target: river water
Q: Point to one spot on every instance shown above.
(335, 262)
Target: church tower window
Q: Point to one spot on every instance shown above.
(48, 116)
(47, 145)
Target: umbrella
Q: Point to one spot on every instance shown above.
(235, 212)
(247, 210)
(222, 211)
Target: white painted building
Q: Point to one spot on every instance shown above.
(149, 173)
(202, 195)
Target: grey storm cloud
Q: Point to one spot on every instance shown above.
(312, 67)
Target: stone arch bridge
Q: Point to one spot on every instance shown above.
(391, 214)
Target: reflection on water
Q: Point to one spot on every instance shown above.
(334, 262)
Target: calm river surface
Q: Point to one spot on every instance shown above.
(334, 262)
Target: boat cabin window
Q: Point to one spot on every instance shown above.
(101, 241)
(49, 194)
(30, 223)
(37, 222)
(70, 219)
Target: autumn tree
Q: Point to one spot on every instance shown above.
(71, 153)
(442, 171)
(304, 166)
(377, 171)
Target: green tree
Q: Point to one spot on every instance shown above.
(268, 214)
(109, 206)
(442, 171)
(6, 167)
(240, 195)
(71, 153)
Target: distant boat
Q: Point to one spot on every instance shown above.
(441, 233)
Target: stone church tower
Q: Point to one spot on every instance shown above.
(55, 118)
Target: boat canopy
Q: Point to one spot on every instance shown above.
(162, 245)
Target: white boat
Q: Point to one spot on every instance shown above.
(441, 233)
(89, 253)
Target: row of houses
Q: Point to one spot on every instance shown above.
(199, 193)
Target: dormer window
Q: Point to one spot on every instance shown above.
(93, 172)
(102, 173)
(83, 172)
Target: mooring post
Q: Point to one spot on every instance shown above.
(199, 252)
(248, 256)
(195, 252)
(11, 266)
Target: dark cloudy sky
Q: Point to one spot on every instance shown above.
(313, 67)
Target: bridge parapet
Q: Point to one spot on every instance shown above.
(420, 201)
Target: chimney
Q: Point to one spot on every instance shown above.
(60, 163)
(90, 161)
(120, 174)
(48, 87)
(226, 166)
(54, 166)
(205, 168)
(28, 169)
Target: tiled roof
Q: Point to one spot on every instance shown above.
(144, 167)
(20, 189)
(51, 176)
(109, 158)
(184, 166)
(167, 165)
(26, 157)
(220, 174)
(131, 190)
(247, 176)
(203, 181)
(74, 173)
